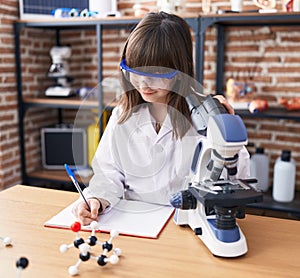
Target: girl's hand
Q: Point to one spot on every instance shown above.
(82, 212)
(225, 103)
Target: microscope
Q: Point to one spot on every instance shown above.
(59, 71)
(214, 198)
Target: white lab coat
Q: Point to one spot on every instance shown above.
(150, 166)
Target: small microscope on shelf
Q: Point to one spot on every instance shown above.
(59, 71)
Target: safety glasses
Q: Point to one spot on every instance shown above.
(156, 72)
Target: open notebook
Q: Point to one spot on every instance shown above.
(132, 218)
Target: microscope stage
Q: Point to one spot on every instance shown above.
(237, 196)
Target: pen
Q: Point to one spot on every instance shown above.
(75, 182)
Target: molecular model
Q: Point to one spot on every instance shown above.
(22, 262)
(6, 240)
(85, 247)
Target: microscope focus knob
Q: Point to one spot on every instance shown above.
(183, 200)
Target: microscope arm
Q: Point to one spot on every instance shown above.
(225, 133)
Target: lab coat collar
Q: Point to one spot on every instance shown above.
(145, 123)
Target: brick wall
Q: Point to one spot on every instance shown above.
(273, 51)
(9, 149)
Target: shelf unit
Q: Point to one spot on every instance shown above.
(271, 113)
(220, 22)
(269, 206)
(97, 24)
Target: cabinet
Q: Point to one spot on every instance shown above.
(26, 103)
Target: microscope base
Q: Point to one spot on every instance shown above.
(222, 243)
(58, 91)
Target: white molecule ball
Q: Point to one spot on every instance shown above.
(94, 225)
(73, 270)
(114, 233)
(113, 259)
(63, 248)
(7, 241)
(84, 248)
(118, 251)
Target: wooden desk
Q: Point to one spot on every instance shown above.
(274, 245)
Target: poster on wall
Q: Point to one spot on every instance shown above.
(31, 9)
(39, 9)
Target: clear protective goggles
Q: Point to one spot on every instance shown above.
(149, 72)
(151, 76)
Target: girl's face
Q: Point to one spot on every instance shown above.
(153, 83)
(152, 89)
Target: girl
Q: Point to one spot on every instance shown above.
(146, 150)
